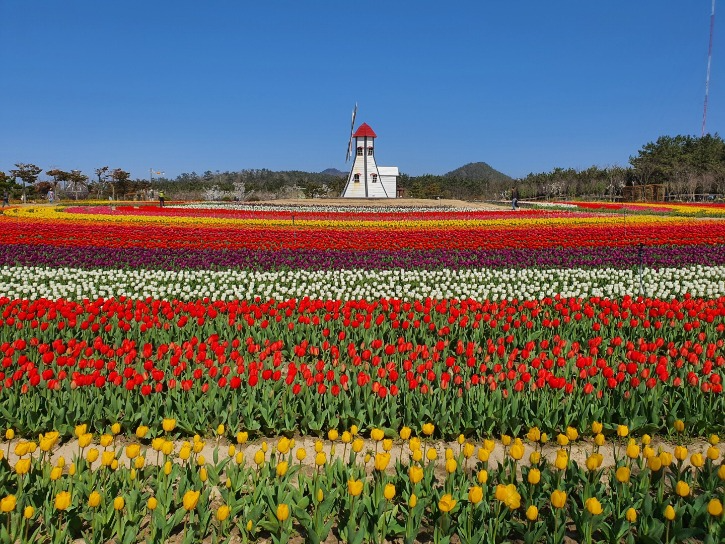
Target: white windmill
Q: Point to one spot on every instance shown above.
(366, 178)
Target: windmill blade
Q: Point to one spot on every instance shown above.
(352, 128)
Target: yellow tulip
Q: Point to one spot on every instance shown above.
(505, 440)
(107, 458)
(415, 473)
(106, 440)
(428, 429)
(483, 454)
(482, 476)
(346, 437)
(168, 447)
(666, 458)
(259, 458)
(168, 424)
(562, 440)
(198, 446)
(632, 450)
(646, 440)
(622, 474)
(534, 476)
(354, 487)
(141, 431)
(599, 440)
(413, 500)
(431, 454)
(631, 515)
(714, 508)
(168, 466)
(354, 430)
(62, 500)
(56, 473)
(282, 512)
(697, 460)
(222, 512)
(558, 498)
(447, 503)
(9, 434)
(679, 426)
(713, 453)
(301, 453)
(281, 468)
(468, 450)
(680, 453)
(201, 460)
(654, 463)
(532, 513)
(242, 437)
(381, 461)
(417, 456)
(475, 494)
(85, 440)
(534, 434)
(133, 451)
(534, 457)
(320, 495)
(203, 474)
(320, 459)
(190, 499)
(562, 459)
(22, 466)
(7, 503)
(714, 440)
(405, 433)
(682, 488)
(48, 440)
(451, 466)
(332, 435)
(80, 430)
(389, 491)
(377, 434)
(239, 457)
(283, 445)
(319, 446)
(61, 461)
(593, 506)
(114, 464)
(357, 445)
(118, 503)
(387, 444)
(220, 430)
(28, 512)
(597, 428)
(593, 462)
(517, 452)
(669, 513)
(508, 495)
(22, 448)
(544, 438)
(115, 428)
(94, 499)
(622, 431)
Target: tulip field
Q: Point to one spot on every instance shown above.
(242, 373)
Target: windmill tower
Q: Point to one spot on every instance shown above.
(366, 178)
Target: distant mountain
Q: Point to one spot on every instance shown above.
(478, 171)
(334, 172)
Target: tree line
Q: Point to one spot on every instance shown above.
(689, 168)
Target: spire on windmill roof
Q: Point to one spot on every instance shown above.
(364, 130)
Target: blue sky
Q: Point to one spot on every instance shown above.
(185, 86)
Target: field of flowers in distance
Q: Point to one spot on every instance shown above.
(318, 373)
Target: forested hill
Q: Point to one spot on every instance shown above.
(478, 170)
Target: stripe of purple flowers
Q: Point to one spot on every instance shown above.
(597, 257)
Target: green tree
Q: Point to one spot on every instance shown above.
(26, 172)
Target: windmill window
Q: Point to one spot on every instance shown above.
(359, 151)
(370, 151)
(375, 177)
(356, 177)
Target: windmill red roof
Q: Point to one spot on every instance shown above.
(364, 130)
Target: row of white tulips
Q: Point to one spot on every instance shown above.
(478, 284)
(320, 208)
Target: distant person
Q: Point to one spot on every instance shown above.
(514, 198)
(6, 199)
(51, 196)
(161, 199)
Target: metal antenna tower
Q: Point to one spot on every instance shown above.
(709, 61)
